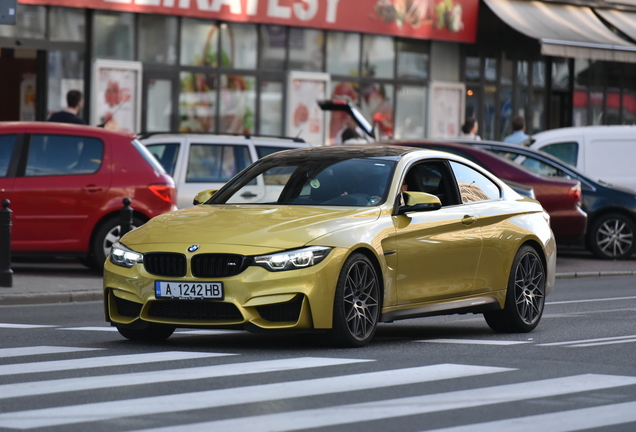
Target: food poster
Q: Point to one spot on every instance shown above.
(27, 97)
(305, 118)
(116, 102)
(446, 109)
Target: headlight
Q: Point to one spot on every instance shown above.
(122, 256)
(294, 259)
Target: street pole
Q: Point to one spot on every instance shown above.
(6, 274)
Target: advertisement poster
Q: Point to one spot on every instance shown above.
(446, 109)
(116, 95)
(27, 97)
(305, 119)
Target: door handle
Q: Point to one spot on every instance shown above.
(248, 195)
(91, 188)
(469, 220)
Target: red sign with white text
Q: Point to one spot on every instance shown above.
(450, 20)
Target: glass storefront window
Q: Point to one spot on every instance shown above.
(199, 42)
(522, 102)
(273, 45)
(378, 56)
(113, 35)
(158, 105)
(596, 107)
(505, 105)
(487, 130)
(341, 89)
(629, 107)
(306, 49)
(30, 23)
(506, 70)
(560, 73)
(271, 108)
(66, 72)
(410, 112)
(490, 69)
(239, 45)
(412, 59)
(472, 102)
(472, 70)
(343, 53)
(538, 74)
(538, 112)
(157, 39)
(238, 104)
(197, 102)
(376, 105)
(613, 105)
(522, 73)
(67, 24)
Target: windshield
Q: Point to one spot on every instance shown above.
(322, 182)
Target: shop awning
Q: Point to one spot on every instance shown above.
(622, 20)
(564, 30)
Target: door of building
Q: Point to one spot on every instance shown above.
(160, 95)
(19, 84)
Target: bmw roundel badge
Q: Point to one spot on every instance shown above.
(193, 248)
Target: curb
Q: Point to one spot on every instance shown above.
(86, 296)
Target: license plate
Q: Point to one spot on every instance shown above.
(189, 290)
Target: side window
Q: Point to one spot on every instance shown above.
(216, 163)
(474, 186)
(431, 177)
(166, 154)
(568, 152)
(534, 165)
(63, 155)
(7, 142)
(263, 151)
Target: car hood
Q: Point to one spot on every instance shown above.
(280, 227)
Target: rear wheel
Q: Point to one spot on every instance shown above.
(106, 235)
(612, 237)
(357, 303)
(525, 296)
(152, 333)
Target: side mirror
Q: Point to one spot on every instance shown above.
(203, 196)
(418, 202)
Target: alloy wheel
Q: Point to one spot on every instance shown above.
(361, 300)
(529, 295)
(614, 238)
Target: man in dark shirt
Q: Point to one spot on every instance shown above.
(69, 114)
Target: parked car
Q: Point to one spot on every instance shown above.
(66, 184)
(604, 153)
(337, 245)
(206, 161)
(611, 211)
(559, 196)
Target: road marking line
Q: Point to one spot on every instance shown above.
(94, 362)
(38, 350)
(235, 396)
(473, 341)
(8, 391)
(604, 343)
(105, 329)
(587, 340)
(590, 300)
(24, 326)
(564, 421)
(415, 405)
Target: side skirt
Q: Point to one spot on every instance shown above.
(473, 305)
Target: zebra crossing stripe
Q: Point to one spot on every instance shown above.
(94, 362)
(104, 329)
(564, 421)
(9, 391)
(415, 405)
(24, 326)
(38, 350)
(234, 396)
(473, 341)
(584, 342)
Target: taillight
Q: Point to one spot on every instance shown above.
(575, 193)
(165, 192)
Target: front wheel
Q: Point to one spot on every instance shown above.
(525, 296)
(152, 333)
(357, 303)
(612, 237)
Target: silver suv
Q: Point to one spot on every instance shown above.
(207, 161)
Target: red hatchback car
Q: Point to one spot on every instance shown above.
(66, 184)
(560, 197)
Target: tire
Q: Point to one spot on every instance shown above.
(525, 295)
(612, 237)
(356, 308)
(152, 333)
(105, 236)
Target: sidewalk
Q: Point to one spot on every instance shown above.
(69, 281)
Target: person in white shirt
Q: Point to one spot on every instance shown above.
(519, 134)
(470, 128)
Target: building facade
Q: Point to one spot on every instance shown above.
(225, 65)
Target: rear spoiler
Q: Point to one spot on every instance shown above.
(343, 105)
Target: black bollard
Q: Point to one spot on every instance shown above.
(6, 274)
(125, 218)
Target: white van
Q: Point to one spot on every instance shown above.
(199, 162)
(606, 153)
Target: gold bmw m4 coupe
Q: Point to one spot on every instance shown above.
(337, 239)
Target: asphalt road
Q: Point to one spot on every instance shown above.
(63, 369)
